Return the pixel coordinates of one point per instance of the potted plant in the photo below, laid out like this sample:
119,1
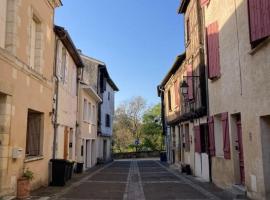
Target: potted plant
23,184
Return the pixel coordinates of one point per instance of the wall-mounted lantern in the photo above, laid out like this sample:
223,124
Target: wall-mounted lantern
184,88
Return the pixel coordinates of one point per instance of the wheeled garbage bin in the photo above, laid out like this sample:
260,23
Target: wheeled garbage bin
163,156
79,167
59,169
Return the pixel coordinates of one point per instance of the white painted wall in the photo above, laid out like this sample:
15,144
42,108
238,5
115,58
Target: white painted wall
107,107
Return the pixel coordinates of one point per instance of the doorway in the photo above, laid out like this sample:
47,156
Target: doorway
265,137
88,156
237,138
105,150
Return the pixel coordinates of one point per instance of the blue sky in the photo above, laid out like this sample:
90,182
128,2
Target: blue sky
137,39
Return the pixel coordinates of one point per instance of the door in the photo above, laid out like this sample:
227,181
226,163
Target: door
66,145
104,149
241,153
88,154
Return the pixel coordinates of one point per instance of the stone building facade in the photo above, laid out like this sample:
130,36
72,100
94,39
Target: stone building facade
68,65
26,90
89,100
232,39
106,89
237,34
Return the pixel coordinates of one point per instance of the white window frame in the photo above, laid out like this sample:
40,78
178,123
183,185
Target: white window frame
85,110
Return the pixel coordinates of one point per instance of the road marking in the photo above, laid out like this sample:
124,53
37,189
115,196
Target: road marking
192,184
134,188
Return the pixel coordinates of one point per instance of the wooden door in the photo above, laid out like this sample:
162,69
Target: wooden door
66,143
241,153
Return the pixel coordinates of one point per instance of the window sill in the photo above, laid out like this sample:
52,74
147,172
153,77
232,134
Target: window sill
259,46
32,159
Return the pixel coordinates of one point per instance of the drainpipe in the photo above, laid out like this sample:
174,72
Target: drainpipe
56,94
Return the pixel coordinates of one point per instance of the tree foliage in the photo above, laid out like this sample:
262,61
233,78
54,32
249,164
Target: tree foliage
133,122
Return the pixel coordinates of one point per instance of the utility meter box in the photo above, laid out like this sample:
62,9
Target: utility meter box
17,153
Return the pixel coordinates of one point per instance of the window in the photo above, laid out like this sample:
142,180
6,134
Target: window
188,30
64,64
169,100
212,33
34,133
218,136
109,96
85,110
93,114
259,21
176,91
186,138
108,120
3,9
35,44
89,112
190,82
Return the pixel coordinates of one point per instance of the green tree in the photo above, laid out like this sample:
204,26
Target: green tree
152,129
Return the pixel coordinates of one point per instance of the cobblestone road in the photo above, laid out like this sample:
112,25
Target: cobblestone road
137,180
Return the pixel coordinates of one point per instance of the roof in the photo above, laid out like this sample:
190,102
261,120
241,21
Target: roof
103,69
91,91
177,64
91,59
183,6
68,43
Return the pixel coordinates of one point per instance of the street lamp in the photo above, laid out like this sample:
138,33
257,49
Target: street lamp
184,88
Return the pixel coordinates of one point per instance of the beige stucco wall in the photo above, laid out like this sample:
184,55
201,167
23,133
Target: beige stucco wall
26,89
67,105
242,88
87,130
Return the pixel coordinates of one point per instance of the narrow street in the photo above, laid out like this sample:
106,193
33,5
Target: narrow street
138,180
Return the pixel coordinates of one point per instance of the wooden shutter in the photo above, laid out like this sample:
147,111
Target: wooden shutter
197,133
226,136
190,82
59,59
176,92
212,34
211,130
204,2
259,19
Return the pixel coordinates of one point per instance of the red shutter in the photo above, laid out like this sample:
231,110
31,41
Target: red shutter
213,50
226,136
212,149
197,133
259,19
190,82
204,2
176,91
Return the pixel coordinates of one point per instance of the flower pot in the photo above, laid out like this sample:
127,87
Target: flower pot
23,188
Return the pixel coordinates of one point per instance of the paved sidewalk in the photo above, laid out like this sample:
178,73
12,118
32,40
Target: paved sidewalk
133,180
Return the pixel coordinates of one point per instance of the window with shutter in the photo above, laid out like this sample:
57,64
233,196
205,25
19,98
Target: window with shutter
190,82
204,2
169,100
212,34
176,93
197,133
211,130
226,136
259,20
59,59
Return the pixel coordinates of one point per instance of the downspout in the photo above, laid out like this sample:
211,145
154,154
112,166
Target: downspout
203,38
55,99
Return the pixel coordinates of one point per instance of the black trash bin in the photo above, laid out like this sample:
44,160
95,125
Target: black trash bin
69,171
59,169
79,167
163,156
